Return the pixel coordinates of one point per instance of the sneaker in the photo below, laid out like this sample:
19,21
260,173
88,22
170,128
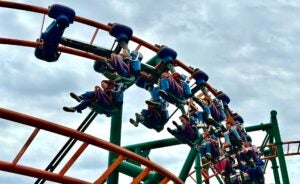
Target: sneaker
152,103
133,122
170,130
139,117
208,156
77,98
200,126
252,163
69,109
174,123
204,160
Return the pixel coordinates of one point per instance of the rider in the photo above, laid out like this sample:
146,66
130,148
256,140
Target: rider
104,95
156,116
185,130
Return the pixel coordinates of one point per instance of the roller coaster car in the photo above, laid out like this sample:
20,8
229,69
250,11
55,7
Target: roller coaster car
163,61
200,77
86,47
238,118
222,96
63,16
172,99
182,138
122,34
158,126
100,109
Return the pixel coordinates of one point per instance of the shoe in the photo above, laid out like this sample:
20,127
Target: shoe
133,122
77,98
174,123
208,156
69,109
139,117
200,126
204,160
170,130
252,163
152,103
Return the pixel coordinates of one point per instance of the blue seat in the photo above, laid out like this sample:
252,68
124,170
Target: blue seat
200,77
51,37
222,96
167,55
121,32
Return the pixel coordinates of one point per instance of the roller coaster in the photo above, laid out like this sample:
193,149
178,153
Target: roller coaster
123,67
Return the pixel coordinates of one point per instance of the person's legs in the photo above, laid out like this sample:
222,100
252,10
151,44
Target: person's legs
235,132
84,99
87,95
208,150
164,84
104,100
202,150
83,105
226,137
208,146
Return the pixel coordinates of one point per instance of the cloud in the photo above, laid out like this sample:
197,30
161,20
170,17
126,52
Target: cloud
250,50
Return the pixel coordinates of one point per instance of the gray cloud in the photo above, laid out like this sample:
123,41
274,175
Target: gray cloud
250,49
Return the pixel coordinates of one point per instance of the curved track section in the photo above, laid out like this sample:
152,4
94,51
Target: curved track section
88,22
291,148
123,154
86,139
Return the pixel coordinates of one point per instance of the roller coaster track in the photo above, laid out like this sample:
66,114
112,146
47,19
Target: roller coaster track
291,148
87,140
123,154
77,52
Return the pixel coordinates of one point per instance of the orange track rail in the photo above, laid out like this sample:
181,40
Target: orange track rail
65,131
88,22
21,118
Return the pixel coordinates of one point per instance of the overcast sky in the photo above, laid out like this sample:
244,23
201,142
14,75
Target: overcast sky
249,49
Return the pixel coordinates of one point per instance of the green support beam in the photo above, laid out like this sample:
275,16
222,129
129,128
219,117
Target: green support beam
274,163
262,127
115,138
154,144
188,164
198,168
278,143
155,178
133,170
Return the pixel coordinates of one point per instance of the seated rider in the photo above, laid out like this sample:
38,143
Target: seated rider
104,96
185,132
196,118
224,168
217,110
174,84
209,149
207,115
248,155
125,65
232,137
156,116
255,174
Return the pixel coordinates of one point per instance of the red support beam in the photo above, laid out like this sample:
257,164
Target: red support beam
37,173
141,176
25,146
